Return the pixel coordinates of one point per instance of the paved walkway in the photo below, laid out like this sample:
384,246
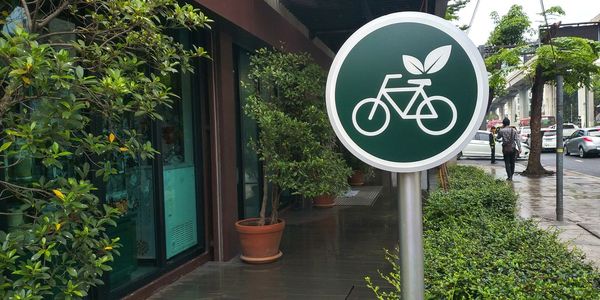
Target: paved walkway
537,200
327,253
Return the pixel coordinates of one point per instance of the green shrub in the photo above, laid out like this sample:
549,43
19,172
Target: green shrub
295,144
476,249
75,78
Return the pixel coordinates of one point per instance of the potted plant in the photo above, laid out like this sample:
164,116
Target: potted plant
294,142
329,174
360,170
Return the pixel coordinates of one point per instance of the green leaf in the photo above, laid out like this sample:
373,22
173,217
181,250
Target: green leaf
72,271
5,146
79,71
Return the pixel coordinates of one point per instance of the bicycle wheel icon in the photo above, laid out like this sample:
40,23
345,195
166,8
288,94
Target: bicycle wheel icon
430,103
372,106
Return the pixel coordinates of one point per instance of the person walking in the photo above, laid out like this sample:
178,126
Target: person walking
493,143
511,146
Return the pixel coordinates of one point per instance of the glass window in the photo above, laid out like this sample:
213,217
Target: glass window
132,191
248,163
594,132
482,136
179,174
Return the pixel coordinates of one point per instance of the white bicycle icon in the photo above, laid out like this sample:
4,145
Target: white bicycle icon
374,103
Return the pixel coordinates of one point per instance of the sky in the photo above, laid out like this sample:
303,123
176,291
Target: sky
575,11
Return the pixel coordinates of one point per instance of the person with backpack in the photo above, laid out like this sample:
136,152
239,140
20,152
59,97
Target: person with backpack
511,146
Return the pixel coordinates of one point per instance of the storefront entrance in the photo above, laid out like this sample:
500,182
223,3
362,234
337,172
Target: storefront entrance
163,201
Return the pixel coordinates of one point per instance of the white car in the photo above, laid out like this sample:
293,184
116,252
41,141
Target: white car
479,147
524,134
548,139
568,129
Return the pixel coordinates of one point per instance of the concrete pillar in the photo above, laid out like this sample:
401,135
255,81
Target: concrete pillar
585,103
513,111
524,102
590,108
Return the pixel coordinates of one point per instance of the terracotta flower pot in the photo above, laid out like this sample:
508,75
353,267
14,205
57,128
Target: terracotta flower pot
357,178
324,201
260,244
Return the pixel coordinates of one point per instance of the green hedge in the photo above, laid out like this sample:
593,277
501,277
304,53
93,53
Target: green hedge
475,248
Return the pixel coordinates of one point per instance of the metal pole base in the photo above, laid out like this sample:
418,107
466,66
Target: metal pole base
411,235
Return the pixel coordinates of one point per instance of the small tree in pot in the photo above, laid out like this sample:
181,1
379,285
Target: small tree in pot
295,141
360,170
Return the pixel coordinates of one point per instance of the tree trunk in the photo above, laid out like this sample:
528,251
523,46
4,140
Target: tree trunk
263,207
534,165
275,204
490,98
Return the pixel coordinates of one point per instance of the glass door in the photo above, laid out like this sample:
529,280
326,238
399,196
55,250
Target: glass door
179,164
132,191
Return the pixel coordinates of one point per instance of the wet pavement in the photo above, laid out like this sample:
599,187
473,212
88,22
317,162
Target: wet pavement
327,253
537,200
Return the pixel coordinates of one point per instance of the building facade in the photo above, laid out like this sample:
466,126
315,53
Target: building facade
180,208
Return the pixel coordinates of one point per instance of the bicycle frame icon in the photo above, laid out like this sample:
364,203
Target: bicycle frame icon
383,99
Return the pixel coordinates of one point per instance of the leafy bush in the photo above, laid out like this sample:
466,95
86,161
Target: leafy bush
296,143
476,249
65,96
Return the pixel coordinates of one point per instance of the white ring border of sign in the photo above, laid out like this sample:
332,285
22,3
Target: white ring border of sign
482,93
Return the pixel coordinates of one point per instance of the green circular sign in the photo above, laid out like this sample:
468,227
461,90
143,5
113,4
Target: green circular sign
407,92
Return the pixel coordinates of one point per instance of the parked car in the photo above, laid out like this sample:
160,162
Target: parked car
479,147
584,142
548,139
524,134
568,129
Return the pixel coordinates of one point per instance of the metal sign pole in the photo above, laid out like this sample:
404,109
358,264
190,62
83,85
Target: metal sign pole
411,235
559,148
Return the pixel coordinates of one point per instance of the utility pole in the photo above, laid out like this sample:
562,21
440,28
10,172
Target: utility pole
559,148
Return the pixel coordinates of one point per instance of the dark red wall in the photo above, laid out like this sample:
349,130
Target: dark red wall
249,23
261,20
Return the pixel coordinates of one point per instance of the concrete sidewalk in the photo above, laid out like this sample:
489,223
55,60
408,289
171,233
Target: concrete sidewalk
537,200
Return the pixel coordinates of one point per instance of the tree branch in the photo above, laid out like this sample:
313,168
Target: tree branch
38,4
53,15
47,35
27,14
19,187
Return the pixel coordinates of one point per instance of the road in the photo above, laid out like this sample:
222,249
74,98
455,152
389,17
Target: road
589,166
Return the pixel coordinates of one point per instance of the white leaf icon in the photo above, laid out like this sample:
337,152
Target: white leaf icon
413,65
437,59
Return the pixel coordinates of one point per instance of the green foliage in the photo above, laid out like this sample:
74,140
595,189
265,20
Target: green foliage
500,64
357,165
295,143
553,13
572,57
452,10
510,28
64,97
453,7
475,248
508,39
